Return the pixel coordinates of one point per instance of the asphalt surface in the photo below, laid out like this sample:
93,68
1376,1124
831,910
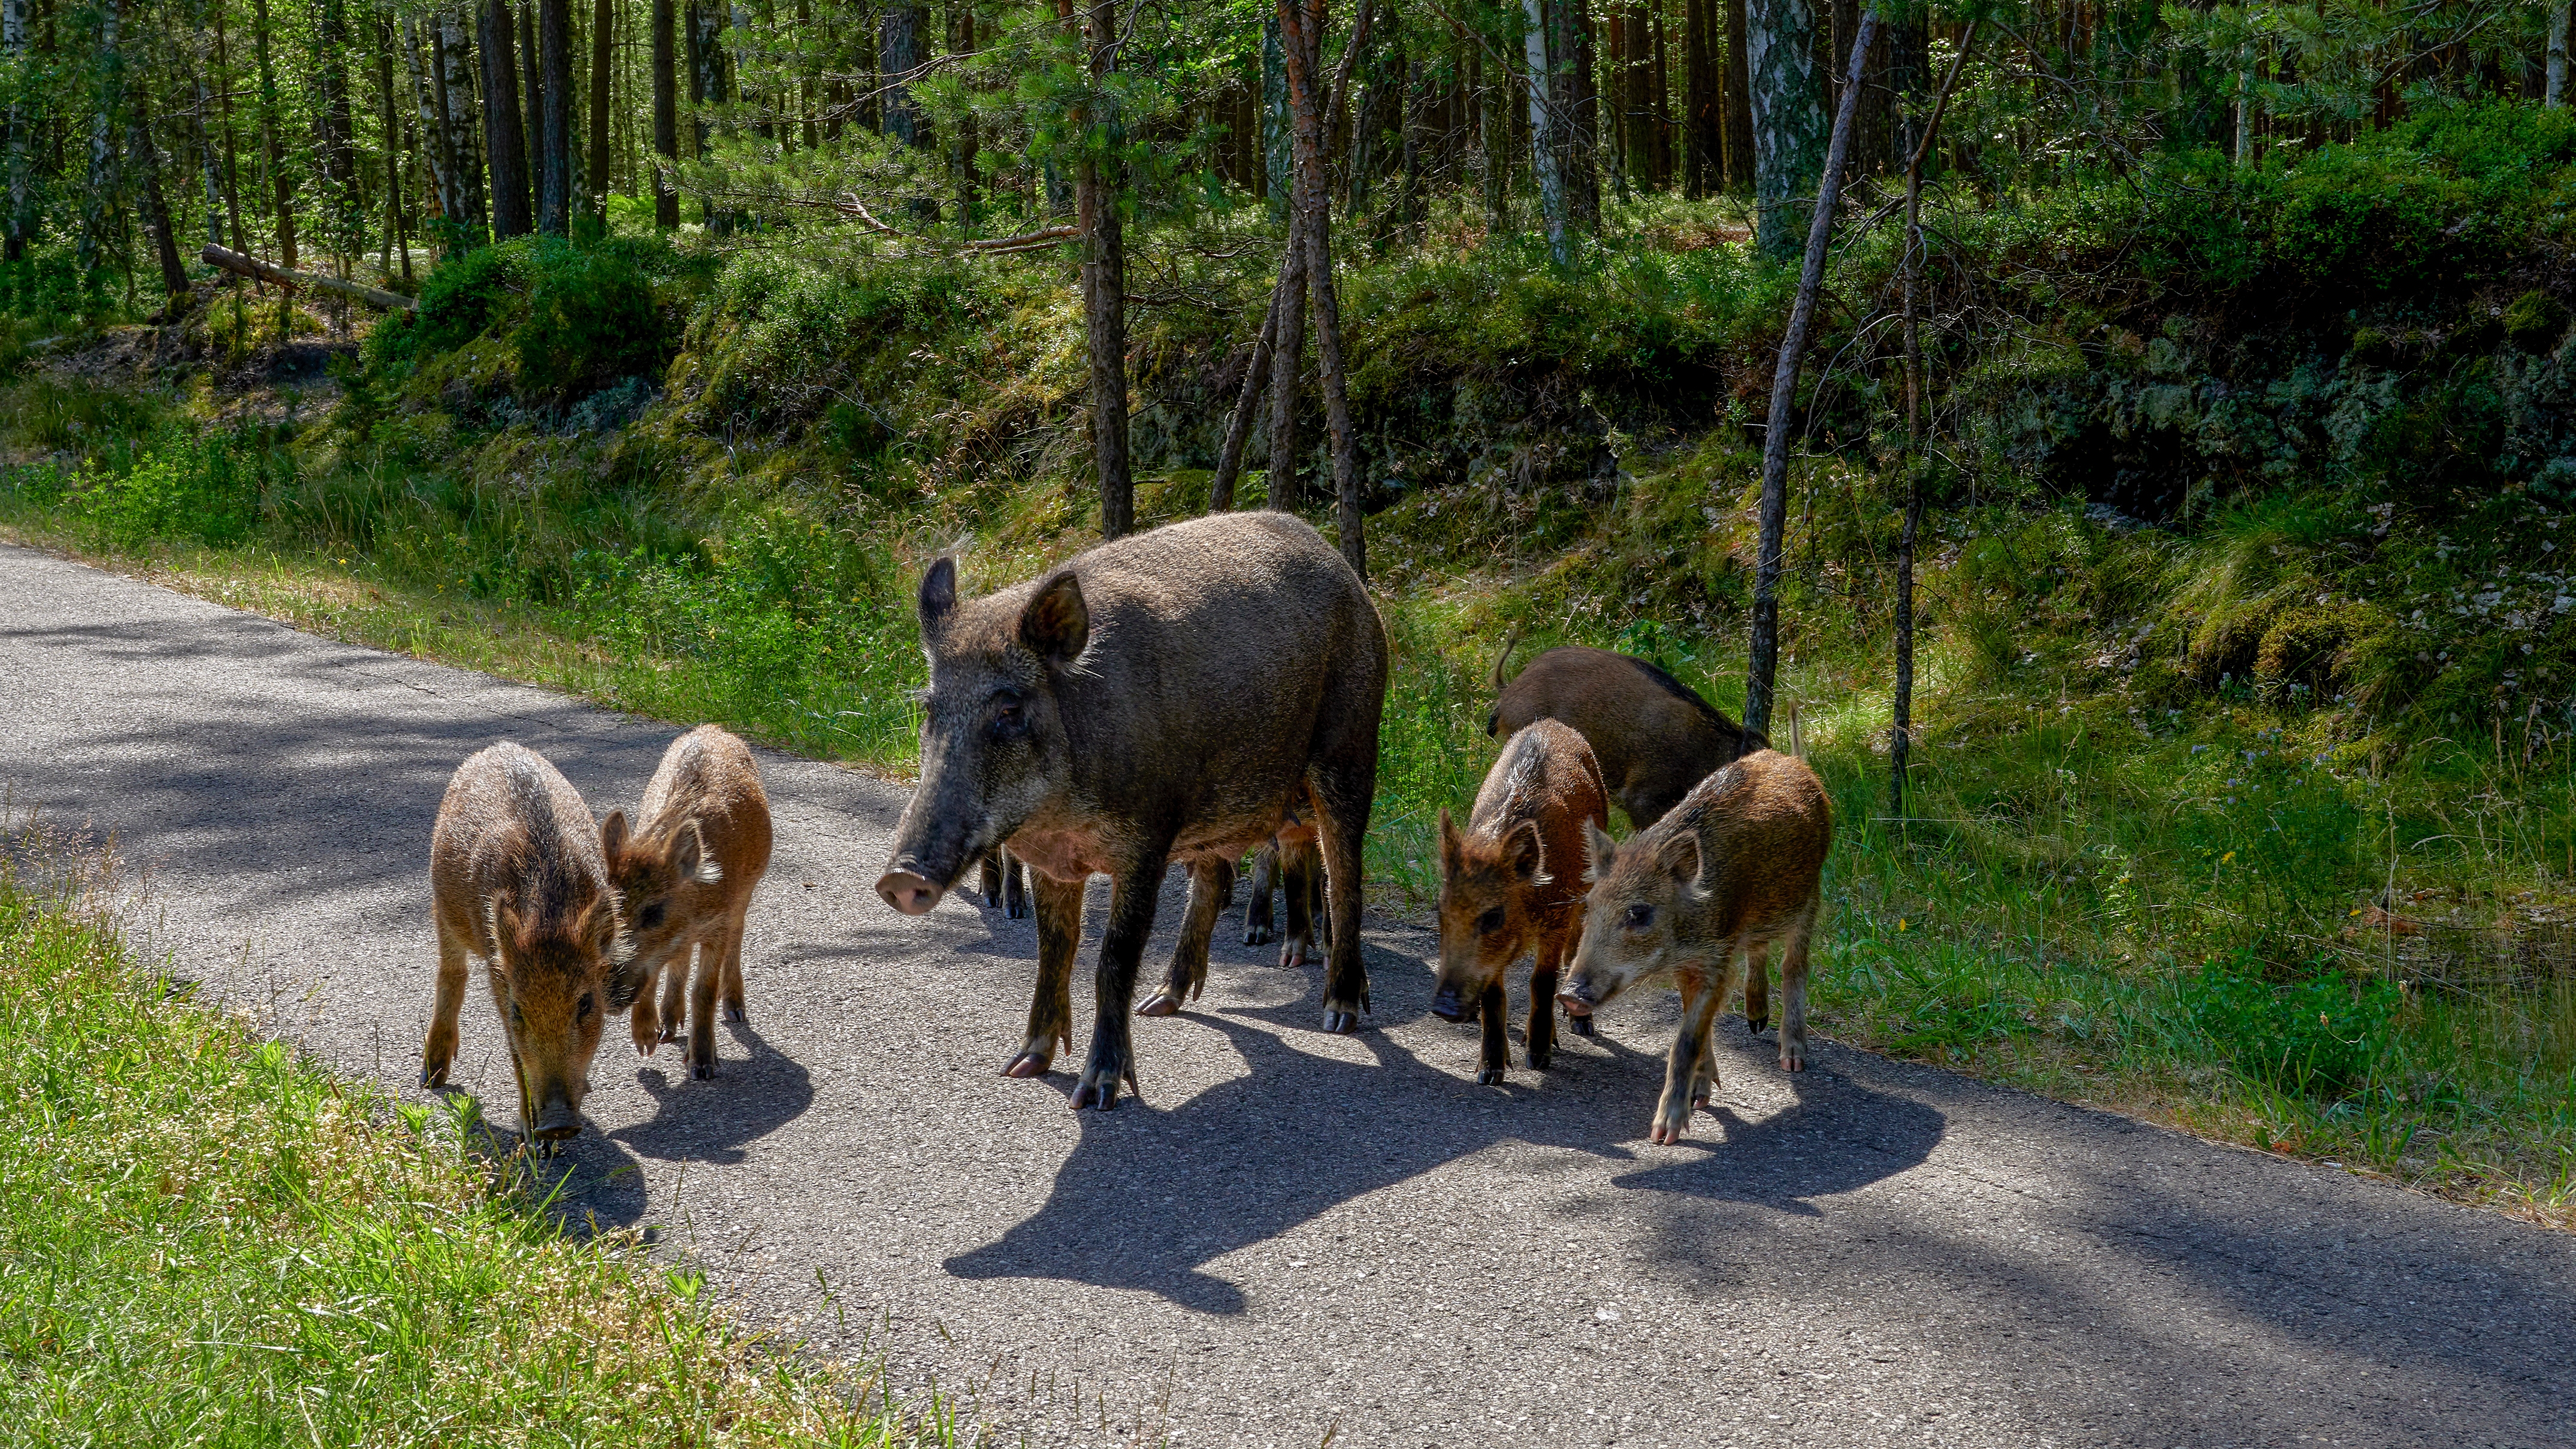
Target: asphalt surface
1292,1236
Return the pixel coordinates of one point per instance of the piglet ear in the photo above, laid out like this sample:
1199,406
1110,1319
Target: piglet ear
689,858
612,834
1679,856
938,593
1057,623
1452,853
1527,854
1604,851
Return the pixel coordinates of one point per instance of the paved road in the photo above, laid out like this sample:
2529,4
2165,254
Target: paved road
1296,1235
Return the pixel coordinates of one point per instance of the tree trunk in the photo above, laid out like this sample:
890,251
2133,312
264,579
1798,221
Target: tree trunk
456,94
1104,272
21,219
1736,107
1301,37
1571,84
603,25
1788,127
532,105
899,56
962,146
1900,745
339,127
156,211
503,140
2555,94
1277,149
1784,391
99,196
1247,401
433,131
666,118
554,67
1545,148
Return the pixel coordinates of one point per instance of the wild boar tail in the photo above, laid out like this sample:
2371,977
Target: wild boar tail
1502,659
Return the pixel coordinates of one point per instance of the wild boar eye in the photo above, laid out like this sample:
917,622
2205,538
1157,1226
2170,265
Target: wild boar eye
1640,916
517,1017
1490,922
588,1005
1010,722
651,916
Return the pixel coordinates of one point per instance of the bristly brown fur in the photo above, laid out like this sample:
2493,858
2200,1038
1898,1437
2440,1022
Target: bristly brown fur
688,873
1654,737
1732,875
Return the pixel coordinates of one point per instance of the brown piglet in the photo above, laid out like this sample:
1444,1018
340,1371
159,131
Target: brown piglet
1511,886
1652,734
1731,875
517,877
687,874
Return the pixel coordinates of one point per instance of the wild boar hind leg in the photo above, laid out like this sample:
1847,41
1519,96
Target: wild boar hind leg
1341,824
1211,888
1112,1059
1260,928
729,995
1757,988
1051,1008
1542,1005
1793,990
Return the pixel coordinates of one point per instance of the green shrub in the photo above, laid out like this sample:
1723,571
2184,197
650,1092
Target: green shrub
204,488
2314,644
2316,1038
591,320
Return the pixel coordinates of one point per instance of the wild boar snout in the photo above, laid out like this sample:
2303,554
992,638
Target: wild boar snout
1450,1004
909,891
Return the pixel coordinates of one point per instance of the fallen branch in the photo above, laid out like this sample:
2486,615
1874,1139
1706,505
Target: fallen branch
257,270
850,206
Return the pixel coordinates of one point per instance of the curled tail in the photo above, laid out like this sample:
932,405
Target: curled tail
1494,714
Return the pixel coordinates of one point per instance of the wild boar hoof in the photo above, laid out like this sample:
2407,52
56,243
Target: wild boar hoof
433,1076
1027,1064
1341,1022
1103,1095
1161,1003
1581,1026
1541,1058
703,1071
1258,936
645,1048
1490,1077
1017,910
1754,1025
1793,1058
734,1015
670,1033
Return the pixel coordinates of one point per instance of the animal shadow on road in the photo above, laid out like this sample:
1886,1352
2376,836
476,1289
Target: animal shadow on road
1148,1198
712,1122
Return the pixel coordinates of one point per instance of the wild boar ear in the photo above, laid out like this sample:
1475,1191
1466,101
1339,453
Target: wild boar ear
1451,852
689,858
1604,851
1526,853
1057,623
1679,856
938,593
612,835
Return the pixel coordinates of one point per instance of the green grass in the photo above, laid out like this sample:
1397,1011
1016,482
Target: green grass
206,1239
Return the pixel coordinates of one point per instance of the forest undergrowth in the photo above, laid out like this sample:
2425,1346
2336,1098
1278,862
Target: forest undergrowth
2244,795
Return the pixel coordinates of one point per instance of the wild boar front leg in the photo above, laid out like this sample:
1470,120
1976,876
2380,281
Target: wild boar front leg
1211,885
1542,1011
1051,1007
1793,989
645,1020
1342,792
1122,949
1301,868
1496,1056
712,951
675,988
439,1052
1689,1074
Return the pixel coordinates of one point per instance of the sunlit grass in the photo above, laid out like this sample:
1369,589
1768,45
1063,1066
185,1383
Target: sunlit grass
207,1239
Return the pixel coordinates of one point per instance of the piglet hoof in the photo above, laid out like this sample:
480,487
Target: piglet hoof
1755,1025
1258,936
1581,1026
703,1071
734,1015
1165,1002
669,1033
1490,1077
1793,1056
645,1048
1027,1064
1340,1022
1017,910
1541,1058
433,1077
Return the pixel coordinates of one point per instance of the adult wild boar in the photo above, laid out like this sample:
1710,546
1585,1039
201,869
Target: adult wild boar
685,878
1163,697
1733,872
517,877
1654,737
1511,885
